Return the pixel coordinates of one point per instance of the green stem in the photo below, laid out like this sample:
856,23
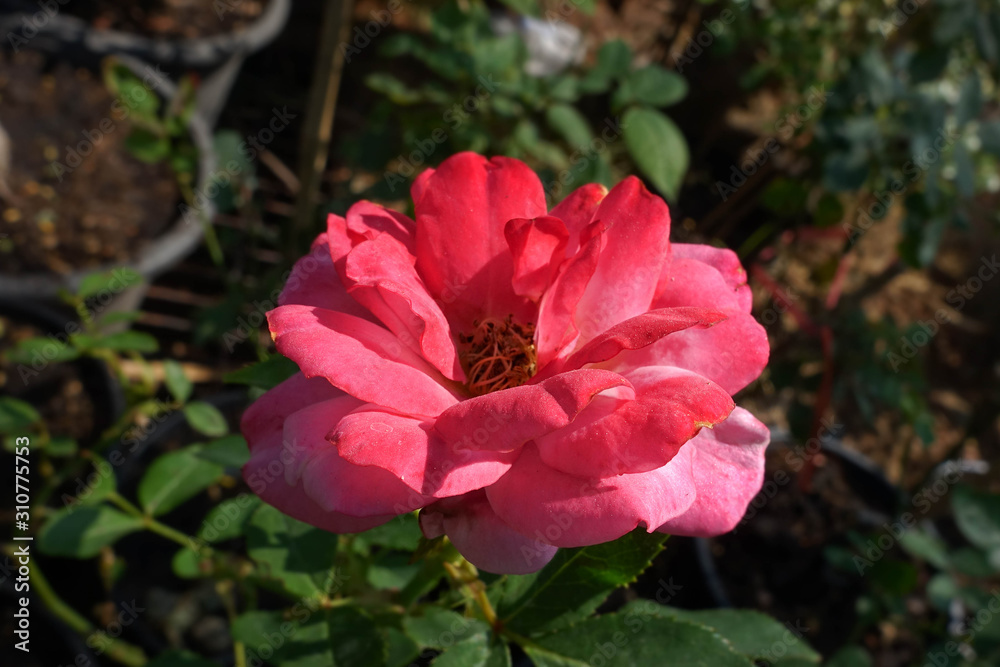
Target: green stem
155,526
116,649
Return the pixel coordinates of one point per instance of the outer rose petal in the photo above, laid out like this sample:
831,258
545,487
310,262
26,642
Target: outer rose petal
462,254
380,274
624,283
568,511
363,359
262,425
615,436
732,353
538,247
505,420
728,470
335,484
723,260
368,220
314,282
408,449
483,537
577,211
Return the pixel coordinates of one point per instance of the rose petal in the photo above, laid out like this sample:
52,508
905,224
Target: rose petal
363,359
379,274
462,254
538,247
726,262
483,537
613,435
315,282
505,420
369,220
577,211
568,511
728,471
624,283
420,459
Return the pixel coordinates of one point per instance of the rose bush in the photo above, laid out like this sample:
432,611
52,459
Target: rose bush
528,379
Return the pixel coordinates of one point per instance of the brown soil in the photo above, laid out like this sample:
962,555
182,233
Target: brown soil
185,19
75,198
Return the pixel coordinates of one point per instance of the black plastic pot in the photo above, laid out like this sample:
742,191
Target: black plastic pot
217,59
160,253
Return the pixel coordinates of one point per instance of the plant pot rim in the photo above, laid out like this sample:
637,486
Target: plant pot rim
160,252
198,52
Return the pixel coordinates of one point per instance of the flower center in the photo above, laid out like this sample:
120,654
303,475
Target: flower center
499,354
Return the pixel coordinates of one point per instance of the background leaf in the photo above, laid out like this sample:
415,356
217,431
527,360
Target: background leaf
174,478
82,532
658,148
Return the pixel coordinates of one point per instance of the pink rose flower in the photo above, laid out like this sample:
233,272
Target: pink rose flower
528,379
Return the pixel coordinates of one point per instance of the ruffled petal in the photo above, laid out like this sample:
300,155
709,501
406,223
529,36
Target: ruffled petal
732,353
624,283
726,262
262,425
365,360
538,247
379,274
462,255
408,449
638,332
577,211
568,511
555,330
334,483
728,470
505,420
368,220
483,537
616,434
314,281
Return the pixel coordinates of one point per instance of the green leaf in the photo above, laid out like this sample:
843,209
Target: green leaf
174,478
230,451
186,564
16,415
850,656
613,61
62,446
180,659
751,633
293,553
123,341
924,546
177,382
478,651
401,533
266,374
631,638
39,351
439,628
206,418
98,484
651,85
657,147
401,651
304,637
978,516
147,146
575,582
112,282
394,89
570,124
82,532
229,519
